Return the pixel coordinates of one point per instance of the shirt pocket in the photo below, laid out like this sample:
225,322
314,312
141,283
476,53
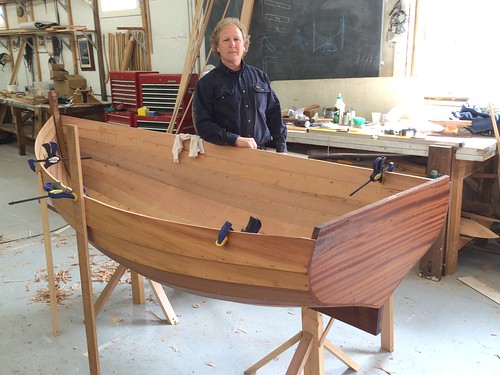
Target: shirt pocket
262,88
221,93
260,94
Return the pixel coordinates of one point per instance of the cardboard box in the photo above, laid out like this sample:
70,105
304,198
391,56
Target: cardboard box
58,75
56,67
57,72
70,84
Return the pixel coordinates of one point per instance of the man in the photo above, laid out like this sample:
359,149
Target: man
234,103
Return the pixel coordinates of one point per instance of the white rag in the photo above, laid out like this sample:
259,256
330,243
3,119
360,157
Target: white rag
195,145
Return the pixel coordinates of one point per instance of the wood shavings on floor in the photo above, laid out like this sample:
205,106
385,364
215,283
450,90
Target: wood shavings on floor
102,270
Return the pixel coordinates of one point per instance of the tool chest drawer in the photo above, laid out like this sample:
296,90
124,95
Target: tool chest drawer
161,123
159,92
119,117
125,88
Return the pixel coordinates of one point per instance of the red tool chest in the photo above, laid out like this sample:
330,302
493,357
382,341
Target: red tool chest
159,92
125,88
161,123
120,117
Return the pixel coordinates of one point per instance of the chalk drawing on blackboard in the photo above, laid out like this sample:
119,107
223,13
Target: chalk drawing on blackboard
266,52
276,16
300,39
332,44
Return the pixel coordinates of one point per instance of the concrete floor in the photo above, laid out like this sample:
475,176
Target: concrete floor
440,327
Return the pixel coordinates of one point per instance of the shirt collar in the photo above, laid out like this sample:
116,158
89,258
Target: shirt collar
231,71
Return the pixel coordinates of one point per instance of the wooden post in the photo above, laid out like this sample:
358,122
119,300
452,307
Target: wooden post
137,281
312,322
387,334
48,257
440,159
75,169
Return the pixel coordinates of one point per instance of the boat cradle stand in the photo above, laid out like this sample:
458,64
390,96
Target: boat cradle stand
309,355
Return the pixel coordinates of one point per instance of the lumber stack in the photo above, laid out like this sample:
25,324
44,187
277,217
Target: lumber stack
125,51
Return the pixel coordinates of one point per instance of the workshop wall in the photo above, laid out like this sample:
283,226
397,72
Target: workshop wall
170,28
364,95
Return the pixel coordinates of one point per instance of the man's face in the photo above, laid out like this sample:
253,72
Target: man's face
231,46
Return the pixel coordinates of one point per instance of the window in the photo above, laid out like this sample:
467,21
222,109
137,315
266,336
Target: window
2,19
117,8
456,42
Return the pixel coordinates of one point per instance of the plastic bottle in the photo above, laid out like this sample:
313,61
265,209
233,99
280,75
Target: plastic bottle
340,105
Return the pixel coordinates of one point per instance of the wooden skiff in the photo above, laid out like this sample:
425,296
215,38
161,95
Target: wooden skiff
318,247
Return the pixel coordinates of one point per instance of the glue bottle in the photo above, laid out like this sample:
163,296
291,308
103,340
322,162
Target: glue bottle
340,107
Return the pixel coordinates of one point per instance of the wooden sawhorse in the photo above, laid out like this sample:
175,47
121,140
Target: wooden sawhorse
309,355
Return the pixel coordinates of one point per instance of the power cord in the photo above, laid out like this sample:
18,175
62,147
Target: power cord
31,236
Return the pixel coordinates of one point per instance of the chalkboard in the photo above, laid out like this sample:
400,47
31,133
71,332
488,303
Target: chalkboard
296,39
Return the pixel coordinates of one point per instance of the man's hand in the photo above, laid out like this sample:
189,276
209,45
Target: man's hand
246,142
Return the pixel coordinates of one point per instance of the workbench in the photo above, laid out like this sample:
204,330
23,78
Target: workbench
454,156
27,119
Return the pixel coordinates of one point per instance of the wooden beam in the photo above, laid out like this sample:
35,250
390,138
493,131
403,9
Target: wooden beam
19,59
127,56
100,50
196,37
146,24
482,288
164,302
301,356
108,289
246,13
275,353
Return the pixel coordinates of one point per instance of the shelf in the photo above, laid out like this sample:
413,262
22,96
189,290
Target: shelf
69,30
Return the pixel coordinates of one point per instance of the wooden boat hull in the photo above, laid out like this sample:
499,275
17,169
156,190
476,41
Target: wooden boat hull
318,247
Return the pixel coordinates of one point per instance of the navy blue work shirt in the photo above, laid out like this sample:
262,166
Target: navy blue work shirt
228,104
